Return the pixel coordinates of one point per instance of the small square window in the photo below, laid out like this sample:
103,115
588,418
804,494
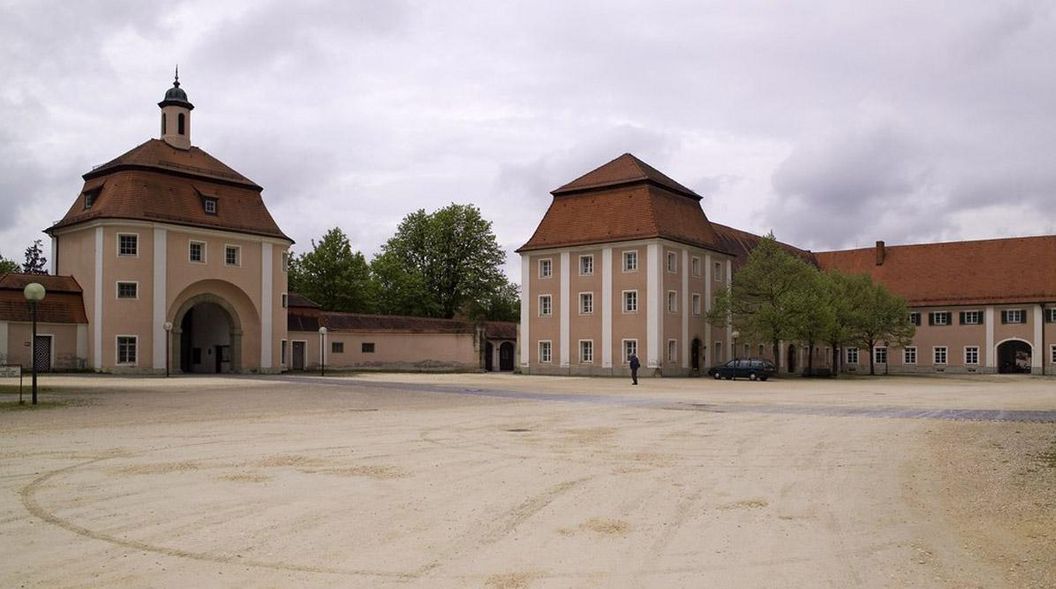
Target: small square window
367,348
210,205
337,347
852,355
939,354
127,290
546,268
127,245
197,251
971,355
909,355
586,265
232,255
630,261
126,350
90,197
880,355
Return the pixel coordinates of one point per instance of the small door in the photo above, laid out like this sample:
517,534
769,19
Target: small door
42,356
489,362
694,355
298,355
506,356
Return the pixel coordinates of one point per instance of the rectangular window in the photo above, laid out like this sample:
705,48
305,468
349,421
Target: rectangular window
546,351
852,355
694,264
210,205
337,347
1050,315
586,265
971,355
630,301
285,300
718,272
1052,353
938,354
128,290
909,355
90,197
672,301
126,350
546,305
971,317
672,262
282,352
914,318
197,251
586,303
630,261
696,304
127,244
880,355
586,351
232,255
939,318
285,261
367,348
672,350
546,268
1013,316
630,348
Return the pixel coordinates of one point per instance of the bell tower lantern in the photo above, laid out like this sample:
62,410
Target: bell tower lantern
176,116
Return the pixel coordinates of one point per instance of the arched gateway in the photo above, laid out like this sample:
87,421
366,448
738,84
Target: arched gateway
207,336
1014,357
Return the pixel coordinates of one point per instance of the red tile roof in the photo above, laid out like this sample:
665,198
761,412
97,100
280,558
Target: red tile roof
622,212
992,271
741,243
158,182
626,169
62,303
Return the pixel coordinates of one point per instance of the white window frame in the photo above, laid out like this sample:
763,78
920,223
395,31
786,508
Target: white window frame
206,201
583,298
285,298
586,345
717,273
848,352
672,301
946,316
628,255
117,292
945,355
976,315
586,260
546,310
1050,315
548,345
548,264
117,350
623,303
1021,315
696,303
912,315
906,352
672,262
286,261
624,350
127,234
968,349
205,251
672,350
877,352
695,265
238,255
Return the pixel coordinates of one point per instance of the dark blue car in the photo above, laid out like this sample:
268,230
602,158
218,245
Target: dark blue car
752,369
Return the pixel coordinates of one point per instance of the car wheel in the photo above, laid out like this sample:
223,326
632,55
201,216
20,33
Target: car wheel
762,378
752,376
717,376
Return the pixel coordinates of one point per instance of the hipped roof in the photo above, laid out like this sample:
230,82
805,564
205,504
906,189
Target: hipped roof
62,303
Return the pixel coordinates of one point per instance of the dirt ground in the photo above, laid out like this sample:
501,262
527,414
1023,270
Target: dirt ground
506,481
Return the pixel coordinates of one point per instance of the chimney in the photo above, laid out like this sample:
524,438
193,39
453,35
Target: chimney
880,253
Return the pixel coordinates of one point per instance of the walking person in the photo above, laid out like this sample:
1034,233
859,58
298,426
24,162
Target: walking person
635,364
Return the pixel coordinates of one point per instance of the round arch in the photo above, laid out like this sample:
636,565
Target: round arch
1014,356
232,302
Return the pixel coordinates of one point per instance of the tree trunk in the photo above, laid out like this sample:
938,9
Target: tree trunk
872,357
835,359
777,355
810,358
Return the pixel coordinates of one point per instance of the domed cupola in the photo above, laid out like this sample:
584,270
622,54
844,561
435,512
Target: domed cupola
176,116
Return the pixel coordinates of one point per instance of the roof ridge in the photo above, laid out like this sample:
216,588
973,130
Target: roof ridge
935,243
625,169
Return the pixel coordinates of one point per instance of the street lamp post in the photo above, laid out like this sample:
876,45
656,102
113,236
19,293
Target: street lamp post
168,340
34,293
322,351
733,344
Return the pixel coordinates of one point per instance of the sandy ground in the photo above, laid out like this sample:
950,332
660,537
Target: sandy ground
506,481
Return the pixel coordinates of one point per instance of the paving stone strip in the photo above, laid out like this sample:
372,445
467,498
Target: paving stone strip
1033,416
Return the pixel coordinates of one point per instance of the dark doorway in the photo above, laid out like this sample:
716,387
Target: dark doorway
42,357
1014,357
489,351
298,355
506,356
694,356
205,336
186,328
791,359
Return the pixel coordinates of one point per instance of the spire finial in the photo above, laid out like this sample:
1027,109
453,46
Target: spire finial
177,82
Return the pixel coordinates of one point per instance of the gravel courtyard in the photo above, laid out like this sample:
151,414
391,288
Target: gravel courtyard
510,481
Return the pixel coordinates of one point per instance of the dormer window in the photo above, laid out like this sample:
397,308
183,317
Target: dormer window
210,205
181,125
90,197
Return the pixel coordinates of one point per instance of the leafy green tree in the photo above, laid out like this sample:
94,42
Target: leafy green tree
812,312
765,296
440,264
35,262
7,266
333,275
839,329
879,316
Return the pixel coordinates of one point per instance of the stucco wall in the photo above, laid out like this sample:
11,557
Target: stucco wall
393,351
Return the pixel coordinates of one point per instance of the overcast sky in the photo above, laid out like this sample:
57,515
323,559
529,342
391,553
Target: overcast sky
833,123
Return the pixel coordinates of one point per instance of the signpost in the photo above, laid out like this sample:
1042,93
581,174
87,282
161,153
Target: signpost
12,371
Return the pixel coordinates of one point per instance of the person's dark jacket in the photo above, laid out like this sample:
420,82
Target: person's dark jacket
635,364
